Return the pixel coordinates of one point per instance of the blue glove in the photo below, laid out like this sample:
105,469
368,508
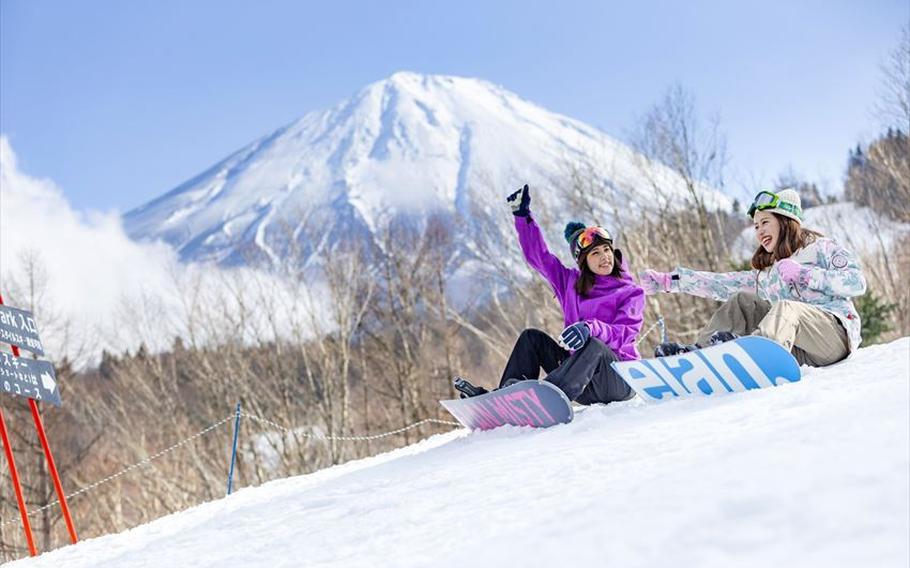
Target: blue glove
575,336
520,202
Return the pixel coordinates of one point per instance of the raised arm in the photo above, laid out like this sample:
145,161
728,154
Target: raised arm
535,251
532,243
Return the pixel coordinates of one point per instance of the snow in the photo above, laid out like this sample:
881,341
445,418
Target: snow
815,473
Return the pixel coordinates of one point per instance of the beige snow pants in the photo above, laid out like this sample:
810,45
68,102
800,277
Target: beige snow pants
814,337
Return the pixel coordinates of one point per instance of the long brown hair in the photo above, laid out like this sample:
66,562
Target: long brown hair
791,238
586,280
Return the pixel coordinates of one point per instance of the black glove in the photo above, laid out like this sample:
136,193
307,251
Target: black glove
575,336
520,202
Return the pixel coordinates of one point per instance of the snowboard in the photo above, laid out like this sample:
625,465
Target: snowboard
527,403
745,363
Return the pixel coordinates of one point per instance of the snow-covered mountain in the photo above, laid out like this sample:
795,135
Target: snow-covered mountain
815,473
410,144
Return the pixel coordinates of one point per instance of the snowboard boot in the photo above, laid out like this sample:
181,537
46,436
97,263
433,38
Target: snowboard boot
466,389
510,382
672,348
719,337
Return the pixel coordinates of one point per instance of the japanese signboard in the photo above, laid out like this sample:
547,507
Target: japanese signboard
17,327
29,378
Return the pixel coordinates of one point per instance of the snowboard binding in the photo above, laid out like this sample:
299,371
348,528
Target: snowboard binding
670,348
466,389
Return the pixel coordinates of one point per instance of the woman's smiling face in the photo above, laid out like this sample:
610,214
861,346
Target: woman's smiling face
600,260
767,229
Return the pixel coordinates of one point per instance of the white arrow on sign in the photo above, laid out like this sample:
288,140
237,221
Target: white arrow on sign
48,382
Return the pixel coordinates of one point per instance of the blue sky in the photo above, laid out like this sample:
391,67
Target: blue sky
119,102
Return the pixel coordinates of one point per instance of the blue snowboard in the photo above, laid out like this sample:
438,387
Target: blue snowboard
527,403
743,364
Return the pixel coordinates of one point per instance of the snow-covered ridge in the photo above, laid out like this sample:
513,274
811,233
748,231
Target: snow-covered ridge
815,473
410,143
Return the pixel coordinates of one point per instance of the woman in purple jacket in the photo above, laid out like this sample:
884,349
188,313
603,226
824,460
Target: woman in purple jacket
602,307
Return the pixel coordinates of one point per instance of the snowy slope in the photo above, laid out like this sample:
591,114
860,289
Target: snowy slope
815,473
408,144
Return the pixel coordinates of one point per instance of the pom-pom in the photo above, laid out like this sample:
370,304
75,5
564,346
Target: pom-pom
571,228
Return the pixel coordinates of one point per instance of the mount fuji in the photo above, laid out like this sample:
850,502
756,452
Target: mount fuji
407,145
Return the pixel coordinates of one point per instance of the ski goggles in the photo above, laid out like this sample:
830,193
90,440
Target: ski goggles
767,200
590,234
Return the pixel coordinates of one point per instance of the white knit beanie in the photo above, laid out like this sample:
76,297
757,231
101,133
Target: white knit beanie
790,197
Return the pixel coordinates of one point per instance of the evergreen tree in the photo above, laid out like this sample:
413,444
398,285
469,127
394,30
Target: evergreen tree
875,314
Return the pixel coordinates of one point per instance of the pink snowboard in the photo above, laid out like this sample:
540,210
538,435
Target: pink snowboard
528,403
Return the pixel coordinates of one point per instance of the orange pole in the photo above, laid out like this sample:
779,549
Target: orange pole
26,526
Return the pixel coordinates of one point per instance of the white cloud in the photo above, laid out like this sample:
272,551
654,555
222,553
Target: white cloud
91,264
113,291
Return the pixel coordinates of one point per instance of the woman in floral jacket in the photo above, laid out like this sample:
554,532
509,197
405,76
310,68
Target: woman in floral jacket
799,292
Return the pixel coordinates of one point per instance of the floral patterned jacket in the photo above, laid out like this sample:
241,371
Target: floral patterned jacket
834,278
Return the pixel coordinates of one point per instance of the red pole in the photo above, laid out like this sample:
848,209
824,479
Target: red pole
15,475
58,486
51,466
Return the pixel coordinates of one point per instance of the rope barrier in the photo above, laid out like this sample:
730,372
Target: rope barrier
130,468
641,337
150,459
348,438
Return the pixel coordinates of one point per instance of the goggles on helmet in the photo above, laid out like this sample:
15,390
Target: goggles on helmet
767,200
586,237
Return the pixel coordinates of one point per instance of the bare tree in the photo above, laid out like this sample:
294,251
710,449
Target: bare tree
893,106
879,177
671,134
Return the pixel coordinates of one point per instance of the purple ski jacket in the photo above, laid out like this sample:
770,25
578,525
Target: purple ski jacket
614,307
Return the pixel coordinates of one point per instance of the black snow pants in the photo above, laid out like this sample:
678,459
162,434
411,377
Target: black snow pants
585,376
